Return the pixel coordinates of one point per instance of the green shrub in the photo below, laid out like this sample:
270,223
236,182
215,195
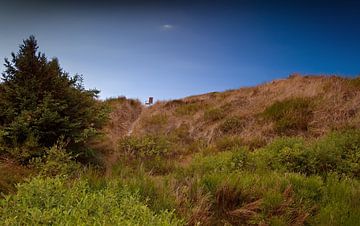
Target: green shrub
286,154
55,202
40,103
152,151
56,161
214,114
242,159
226,161
290,115
232,125
148,146
337,152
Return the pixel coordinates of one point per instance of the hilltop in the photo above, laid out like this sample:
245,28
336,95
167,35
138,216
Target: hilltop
314,104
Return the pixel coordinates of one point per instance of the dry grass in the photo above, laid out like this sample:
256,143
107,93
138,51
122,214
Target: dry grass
123,113
11,173
336,101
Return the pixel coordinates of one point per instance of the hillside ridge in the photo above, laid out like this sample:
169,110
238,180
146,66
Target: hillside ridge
335,104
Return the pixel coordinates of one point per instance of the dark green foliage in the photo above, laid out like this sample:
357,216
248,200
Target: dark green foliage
39,103
290,116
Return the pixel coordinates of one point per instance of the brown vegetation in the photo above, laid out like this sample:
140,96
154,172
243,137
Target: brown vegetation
327,102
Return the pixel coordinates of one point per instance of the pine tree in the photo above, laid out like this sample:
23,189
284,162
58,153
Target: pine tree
40,103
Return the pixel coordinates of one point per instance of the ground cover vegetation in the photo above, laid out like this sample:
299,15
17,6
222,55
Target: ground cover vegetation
51,134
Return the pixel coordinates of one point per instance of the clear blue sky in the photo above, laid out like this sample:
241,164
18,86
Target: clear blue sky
170,50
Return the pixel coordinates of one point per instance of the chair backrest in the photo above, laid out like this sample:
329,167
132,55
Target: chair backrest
150,101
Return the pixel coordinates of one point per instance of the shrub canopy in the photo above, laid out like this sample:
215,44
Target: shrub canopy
39,102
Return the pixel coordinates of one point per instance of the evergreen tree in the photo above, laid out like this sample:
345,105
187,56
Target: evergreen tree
40,103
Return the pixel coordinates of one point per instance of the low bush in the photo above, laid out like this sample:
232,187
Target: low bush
290,116
148,146
338,152
152,151
227,161
55,202
56,161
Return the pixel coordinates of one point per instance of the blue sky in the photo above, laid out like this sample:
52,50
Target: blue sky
171,50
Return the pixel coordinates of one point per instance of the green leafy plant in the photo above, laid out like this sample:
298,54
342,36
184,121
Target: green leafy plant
56,162
338,152
55,202
151,150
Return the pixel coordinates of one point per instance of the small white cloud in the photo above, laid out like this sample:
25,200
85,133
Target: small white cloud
167,27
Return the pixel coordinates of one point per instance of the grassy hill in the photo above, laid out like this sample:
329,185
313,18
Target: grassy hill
307,106
330,102
282,153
